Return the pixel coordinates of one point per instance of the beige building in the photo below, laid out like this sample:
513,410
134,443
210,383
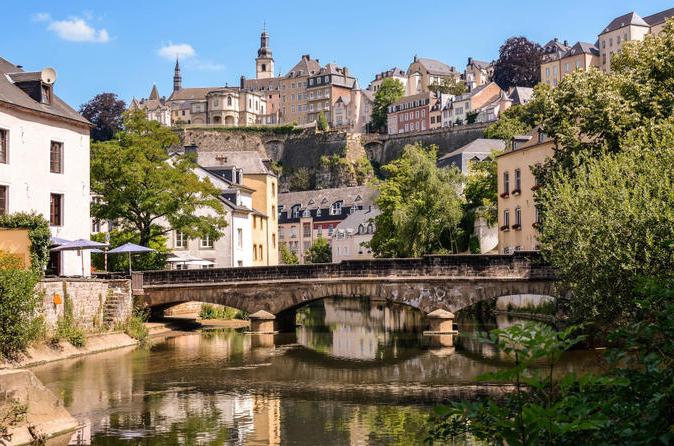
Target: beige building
250,170
352,111
553,51
478,73
423,72
518,216
462,107
351,236
626,28
155,107
306,216
294,104
394,73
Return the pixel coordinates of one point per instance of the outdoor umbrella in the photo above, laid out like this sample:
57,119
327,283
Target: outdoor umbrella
130,248
56,241
187,258
79,246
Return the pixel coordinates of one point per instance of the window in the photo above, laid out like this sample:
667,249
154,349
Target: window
336,208
518,179
239,238
4,146
229,100
56,157
46,94
518,217
181,240
331,228
254,252
273,240
261,253
206,242
506,183
306,230
539,216
506,217
56,210
3,200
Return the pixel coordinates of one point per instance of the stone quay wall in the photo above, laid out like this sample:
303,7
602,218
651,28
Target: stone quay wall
96,304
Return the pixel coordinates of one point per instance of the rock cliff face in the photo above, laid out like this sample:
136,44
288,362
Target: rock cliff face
313,159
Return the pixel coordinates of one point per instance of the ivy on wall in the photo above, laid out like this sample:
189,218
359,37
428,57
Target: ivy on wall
38,234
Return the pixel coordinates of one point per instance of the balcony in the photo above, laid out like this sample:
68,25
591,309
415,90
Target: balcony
505,228
517,227
504,195
517,192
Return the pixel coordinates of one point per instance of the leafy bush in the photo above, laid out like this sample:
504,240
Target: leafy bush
38,233
135,325
66,326
140,262
288,257
18,303
11,415
319,252
209,311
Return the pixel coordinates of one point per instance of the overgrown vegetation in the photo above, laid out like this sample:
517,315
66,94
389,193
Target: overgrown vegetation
268,129
38,234
209,311
67,328
18,304
631,403
135,325
11,414
389,91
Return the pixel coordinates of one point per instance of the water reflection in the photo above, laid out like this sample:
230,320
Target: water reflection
355,372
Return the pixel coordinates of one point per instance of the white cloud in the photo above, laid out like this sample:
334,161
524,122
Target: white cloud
75,29
41,17
171,51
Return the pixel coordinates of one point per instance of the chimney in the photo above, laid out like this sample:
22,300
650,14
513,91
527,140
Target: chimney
243,82
566,43
556,39
470,60
346,74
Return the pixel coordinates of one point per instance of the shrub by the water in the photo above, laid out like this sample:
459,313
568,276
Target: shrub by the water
209,311
135,326
18,303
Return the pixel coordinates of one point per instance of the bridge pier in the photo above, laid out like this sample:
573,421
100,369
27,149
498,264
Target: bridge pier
261,322
441,322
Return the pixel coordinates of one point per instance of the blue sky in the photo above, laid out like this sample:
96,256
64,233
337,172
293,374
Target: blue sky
125,47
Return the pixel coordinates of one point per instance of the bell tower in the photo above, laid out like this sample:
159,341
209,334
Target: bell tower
177,78
264,62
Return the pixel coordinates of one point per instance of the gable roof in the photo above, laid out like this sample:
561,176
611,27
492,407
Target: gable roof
433,66
631,18
582,48
13,95
250,161
357,218
306,65
323,198
520,95
659,17
480,145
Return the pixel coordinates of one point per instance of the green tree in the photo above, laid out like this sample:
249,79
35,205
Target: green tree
300,179
420,206
389,91
105,112
610,222
454,87
322,122
319,252
139,183
518,64
19,302
288,257
140,262
480,188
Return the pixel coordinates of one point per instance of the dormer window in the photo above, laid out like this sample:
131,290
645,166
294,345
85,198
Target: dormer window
46,94
296,211
336,208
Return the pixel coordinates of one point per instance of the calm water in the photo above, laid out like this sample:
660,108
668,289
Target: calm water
354,373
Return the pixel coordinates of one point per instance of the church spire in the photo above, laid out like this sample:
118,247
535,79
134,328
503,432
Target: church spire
264,62
177,78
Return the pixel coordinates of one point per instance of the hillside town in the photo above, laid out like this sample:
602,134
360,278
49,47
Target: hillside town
172,204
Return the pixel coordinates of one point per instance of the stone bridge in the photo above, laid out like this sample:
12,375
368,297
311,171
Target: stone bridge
428,283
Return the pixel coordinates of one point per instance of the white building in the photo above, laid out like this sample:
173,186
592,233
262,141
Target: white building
352,233
44,159
234,247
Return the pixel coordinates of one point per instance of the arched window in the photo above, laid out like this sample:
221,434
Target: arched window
336,208
361,229
370,228
229,100
264,67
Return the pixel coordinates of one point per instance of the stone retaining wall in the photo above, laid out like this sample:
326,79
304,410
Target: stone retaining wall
96,303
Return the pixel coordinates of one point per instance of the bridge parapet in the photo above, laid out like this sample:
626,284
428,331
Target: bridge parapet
519,265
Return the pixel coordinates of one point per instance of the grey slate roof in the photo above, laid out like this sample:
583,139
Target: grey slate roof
250,161
360,195
659,17
582,48
192,94
11,94
357,218
480,145
520,95
307,65
631,18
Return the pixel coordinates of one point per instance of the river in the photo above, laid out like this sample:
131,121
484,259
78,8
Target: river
354,373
